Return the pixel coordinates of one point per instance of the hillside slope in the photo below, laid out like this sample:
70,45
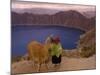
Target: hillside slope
87,43
69,18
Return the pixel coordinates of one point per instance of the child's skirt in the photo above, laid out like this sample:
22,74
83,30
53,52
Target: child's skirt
56,60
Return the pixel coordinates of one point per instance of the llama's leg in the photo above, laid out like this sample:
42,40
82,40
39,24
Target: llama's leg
34,65
46,65
39,67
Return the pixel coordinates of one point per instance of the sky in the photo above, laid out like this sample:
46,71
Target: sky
28,5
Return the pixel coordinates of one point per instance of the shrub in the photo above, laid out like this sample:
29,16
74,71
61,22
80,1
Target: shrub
87,51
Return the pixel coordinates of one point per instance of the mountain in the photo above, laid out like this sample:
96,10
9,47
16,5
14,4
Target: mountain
74,19
69,18
89,14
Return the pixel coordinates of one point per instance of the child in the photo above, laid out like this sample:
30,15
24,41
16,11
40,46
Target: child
56,51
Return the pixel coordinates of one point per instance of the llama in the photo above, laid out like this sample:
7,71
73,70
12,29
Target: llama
38,53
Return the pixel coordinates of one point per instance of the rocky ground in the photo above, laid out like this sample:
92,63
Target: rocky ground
67,64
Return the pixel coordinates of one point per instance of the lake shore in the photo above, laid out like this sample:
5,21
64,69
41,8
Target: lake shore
52,25
68,64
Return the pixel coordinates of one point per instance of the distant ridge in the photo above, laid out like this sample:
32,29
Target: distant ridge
69,18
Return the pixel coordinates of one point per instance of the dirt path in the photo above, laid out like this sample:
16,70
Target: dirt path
67,64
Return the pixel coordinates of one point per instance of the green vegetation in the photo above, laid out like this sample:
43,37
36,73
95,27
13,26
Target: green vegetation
87,51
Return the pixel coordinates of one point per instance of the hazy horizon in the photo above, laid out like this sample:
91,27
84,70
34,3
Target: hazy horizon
30,5
50,8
